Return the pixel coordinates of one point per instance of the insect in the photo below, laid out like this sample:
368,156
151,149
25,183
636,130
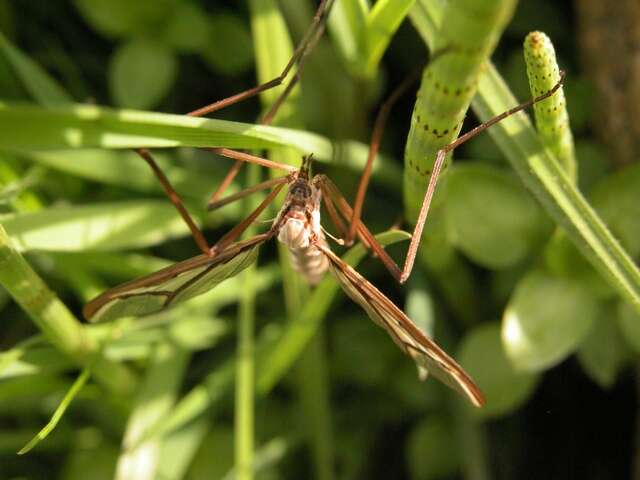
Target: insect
298,226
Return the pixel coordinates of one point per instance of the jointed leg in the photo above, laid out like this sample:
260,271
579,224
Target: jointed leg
248,191
376,137
198,236
247,157
306,44
437,166
331,193
236,231
231,174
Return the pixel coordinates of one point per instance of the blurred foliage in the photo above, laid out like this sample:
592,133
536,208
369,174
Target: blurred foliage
87,219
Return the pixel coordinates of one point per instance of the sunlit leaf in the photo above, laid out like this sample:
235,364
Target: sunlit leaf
106,226
490,217
483,355
616,198
546,319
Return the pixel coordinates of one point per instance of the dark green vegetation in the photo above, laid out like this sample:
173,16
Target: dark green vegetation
517,277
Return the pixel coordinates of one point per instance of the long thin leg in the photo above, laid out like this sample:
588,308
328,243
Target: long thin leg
437,167
198,236
247,157
331,191
231,174
335,218
376,137
236,231
305,45
248,191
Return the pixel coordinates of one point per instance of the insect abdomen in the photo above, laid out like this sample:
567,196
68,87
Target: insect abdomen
310,262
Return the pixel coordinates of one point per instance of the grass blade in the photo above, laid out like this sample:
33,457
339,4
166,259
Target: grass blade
43,88
57,415
154,401
53,318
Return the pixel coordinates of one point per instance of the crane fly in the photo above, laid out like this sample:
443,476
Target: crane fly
298,226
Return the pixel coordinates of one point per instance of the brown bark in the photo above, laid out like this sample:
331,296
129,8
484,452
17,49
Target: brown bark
609,42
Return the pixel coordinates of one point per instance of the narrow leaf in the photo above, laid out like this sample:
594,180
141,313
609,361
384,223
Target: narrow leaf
57,415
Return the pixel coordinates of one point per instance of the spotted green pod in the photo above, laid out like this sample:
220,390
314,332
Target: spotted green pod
468,34
552,119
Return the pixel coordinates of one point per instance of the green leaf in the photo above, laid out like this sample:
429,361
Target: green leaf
106,226
629,322
141,73
57,415
491,218
179,448
381,23
603,353
35,79
483,356
230,49
546,319
616,199
119,18
347,25
32,360
419,305
430,451
85,126
154,400
189,28
361,354
126,169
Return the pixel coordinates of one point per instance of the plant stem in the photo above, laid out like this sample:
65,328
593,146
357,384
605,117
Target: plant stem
245,369
54,319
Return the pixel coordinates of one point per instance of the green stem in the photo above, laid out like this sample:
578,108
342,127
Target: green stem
469,32
270,33
544,177
245,374
54,319
473,443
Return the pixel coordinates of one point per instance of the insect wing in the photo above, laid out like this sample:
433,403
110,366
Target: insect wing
173,284
428,356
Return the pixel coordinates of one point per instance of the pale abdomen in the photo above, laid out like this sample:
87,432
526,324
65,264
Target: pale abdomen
310,261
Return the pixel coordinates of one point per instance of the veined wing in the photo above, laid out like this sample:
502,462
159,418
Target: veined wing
428,356
173,284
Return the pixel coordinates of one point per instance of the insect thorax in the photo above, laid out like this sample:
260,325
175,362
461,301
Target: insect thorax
300,230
